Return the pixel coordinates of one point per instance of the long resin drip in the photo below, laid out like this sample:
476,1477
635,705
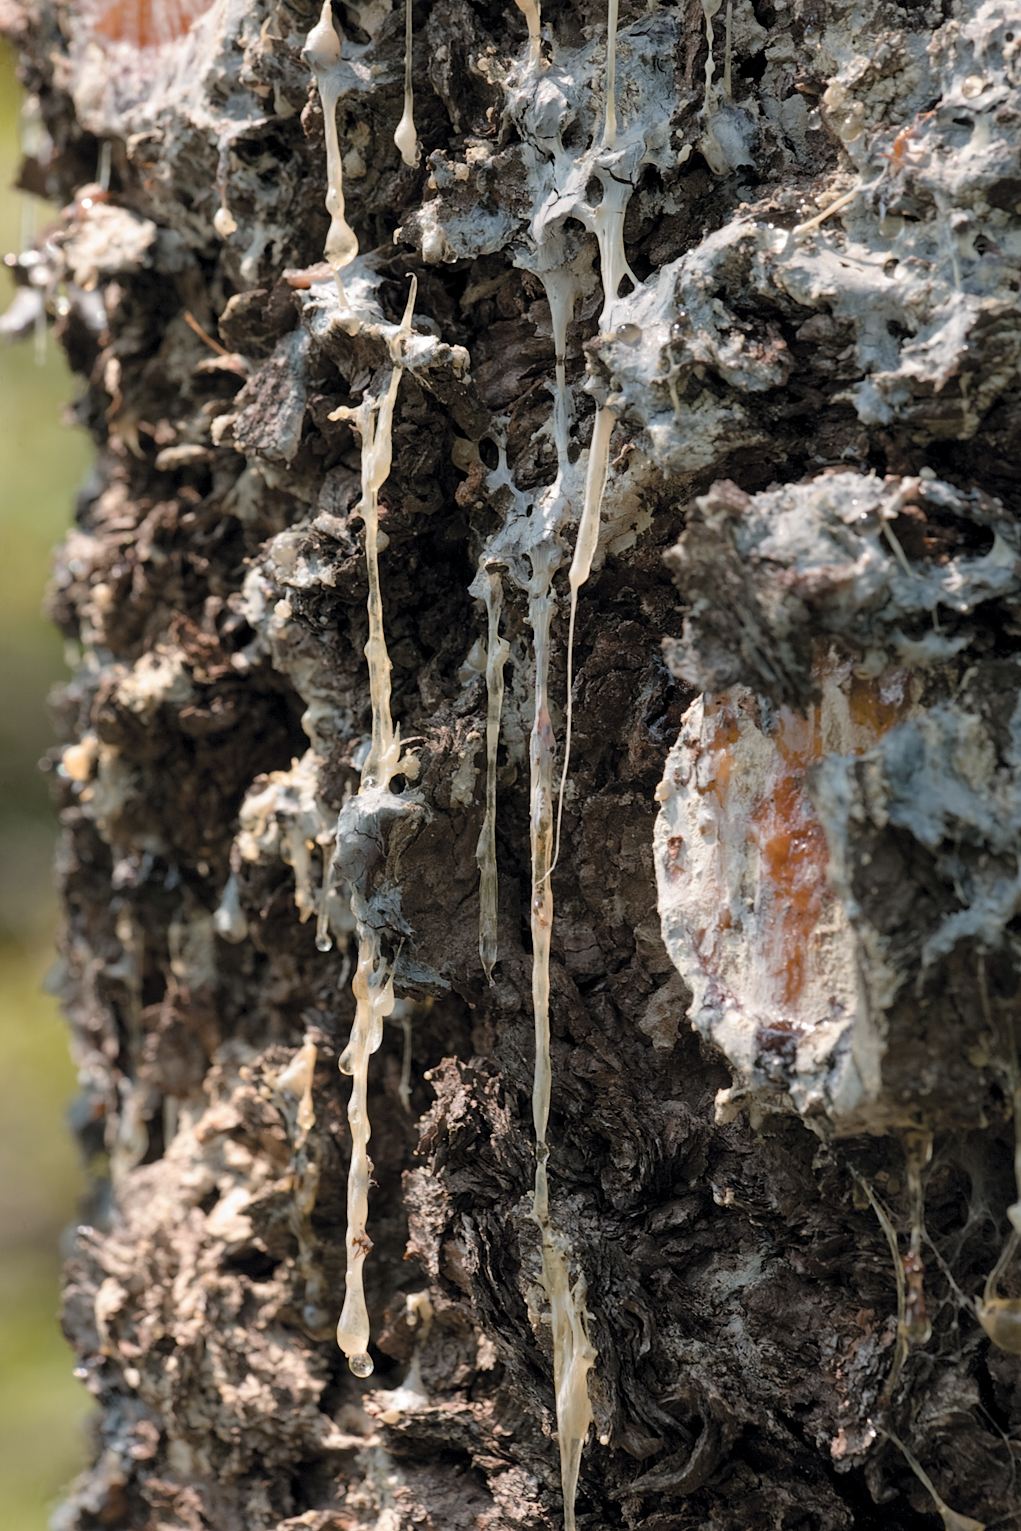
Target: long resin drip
530,11
607,220
581,567
322,49
573,1354
610,124
561,286
373,980
541,748
709,10
373,420
485,852
729,56
405,137
374,1001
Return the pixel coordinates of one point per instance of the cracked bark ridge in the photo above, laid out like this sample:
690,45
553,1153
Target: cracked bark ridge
812,365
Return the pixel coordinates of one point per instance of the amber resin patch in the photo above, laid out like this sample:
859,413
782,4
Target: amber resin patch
143,23
748,913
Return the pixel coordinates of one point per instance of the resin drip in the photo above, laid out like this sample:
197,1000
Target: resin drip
573,1353
952,1519
561,287
900,1349
490,586
373,420
610,122
607,220
405,137
374,999
917,1153
224,221
581,567
322,49
709,10
607,224
530,10
728,61
373,980
295,1083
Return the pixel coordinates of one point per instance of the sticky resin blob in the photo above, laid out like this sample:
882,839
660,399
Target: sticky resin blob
748,914
143,23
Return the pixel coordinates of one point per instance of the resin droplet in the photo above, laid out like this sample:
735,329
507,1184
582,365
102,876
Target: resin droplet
229,921
405,137
1000,1317
224,222
1001,1320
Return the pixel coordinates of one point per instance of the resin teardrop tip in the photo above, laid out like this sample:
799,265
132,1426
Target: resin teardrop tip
1001,1320
322,46
954,1522
324,943
361,1365
224,222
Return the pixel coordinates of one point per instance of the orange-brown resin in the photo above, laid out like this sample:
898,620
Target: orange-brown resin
781,821
144,23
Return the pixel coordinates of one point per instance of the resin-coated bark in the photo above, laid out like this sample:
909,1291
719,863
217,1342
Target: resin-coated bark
713,329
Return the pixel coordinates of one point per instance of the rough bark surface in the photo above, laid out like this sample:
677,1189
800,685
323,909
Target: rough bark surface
821,418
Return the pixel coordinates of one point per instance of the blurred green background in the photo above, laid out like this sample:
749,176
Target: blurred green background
42,1408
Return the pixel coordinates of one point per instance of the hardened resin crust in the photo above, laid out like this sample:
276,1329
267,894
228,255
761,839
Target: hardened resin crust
541,782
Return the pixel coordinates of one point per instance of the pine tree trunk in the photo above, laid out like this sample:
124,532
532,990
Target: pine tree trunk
777,253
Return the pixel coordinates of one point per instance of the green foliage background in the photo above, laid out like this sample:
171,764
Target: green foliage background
42,1408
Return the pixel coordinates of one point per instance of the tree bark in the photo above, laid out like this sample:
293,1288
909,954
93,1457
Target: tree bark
776,257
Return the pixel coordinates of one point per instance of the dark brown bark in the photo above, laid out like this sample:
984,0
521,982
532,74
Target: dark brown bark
741,1289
